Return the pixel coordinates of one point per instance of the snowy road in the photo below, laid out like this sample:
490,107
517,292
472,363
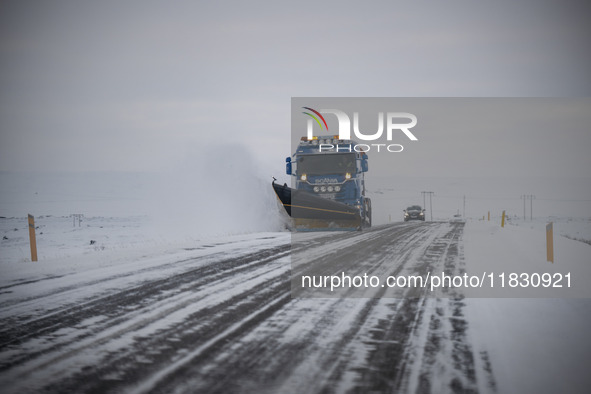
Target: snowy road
221,318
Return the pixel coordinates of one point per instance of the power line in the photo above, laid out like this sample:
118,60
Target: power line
480,198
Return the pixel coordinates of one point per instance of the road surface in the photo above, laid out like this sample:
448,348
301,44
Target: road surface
225,322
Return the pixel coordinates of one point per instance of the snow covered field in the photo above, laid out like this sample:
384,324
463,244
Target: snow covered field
121,246
536,345
58,236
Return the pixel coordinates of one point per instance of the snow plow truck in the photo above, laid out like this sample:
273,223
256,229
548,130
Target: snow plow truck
329,185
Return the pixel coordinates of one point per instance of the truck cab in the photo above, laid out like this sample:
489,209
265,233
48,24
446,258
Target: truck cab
333,169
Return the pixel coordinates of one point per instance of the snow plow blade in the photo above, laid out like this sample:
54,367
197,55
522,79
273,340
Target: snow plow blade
313,213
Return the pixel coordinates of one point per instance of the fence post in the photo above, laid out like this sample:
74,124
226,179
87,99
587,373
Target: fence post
32,239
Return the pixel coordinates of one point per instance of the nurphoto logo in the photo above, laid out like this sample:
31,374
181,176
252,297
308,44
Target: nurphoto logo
392,120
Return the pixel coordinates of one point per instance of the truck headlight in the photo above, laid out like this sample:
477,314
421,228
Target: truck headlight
337,188
348,175
316,189
323,188
303,177
330,189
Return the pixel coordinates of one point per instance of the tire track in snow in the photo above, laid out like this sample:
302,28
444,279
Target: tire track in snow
118,308
438,356
306,345
232,326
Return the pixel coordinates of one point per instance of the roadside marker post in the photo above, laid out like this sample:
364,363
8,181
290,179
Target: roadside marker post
550,243
489,216
503,220
32,239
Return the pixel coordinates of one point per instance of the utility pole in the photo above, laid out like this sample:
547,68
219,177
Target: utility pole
430,202
464,211
78,217
531,198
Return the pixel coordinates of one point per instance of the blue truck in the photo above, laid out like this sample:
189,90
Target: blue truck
329,192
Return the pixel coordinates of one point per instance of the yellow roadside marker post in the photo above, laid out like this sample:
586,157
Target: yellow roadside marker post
32,238
503,220
549,243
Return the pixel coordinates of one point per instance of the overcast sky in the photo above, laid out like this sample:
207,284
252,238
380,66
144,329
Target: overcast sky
130,85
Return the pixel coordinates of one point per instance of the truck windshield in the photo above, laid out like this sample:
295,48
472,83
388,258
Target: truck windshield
338,163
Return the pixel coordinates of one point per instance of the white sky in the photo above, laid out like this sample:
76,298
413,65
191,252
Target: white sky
128,86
